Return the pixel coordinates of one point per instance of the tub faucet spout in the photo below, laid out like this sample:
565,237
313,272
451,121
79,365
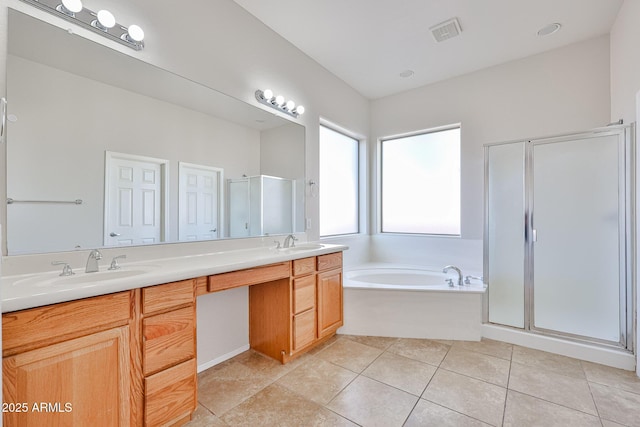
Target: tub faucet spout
457,270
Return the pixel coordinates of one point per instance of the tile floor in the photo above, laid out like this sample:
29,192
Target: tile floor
374,381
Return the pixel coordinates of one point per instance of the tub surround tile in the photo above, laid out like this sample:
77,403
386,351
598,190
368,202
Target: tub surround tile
617,405
370,403
350,354
277,406
563,390
625,380
427,351
523,410
317,380
429,414
477,365
397,371
486,346
469,396
548,361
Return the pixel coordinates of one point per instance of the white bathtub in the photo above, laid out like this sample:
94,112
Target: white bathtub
410,302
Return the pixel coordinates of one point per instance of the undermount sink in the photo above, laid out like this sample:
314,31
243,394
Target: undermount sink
305,247
82,277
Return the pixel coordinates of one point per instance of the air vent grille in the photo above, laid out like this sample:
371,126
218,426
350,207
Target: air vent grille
446,30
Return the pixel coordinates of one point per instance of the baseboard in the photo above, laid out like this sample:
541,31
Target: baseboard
220,359
604,356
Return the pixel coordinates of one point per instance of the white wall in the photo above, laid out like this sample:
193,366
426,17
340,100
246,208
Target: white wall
220,45
563,90
625,93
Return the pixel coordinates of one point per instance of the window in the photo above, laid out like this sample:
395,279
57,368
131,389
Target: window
420,183
338,183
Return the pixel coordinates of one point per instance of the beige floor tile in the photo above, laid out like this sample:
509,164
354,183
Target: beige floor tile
469,396
499,349
626,380
350,354
317,380
563,390
429,414
522,410
607,423
277,406
477,365
382,343
548,361
428,351
397,371
227,385
265,366
617,405
370,403
203,418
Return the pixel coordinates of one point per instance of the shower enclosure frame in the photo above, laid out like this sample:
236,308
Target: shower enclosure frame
626,234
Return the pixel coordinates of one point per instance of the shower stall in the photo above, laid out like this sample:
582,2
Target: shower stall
558,255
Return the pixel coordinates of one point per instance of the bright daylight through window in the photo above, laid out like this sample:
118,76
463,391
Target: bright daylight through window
338,183
420,183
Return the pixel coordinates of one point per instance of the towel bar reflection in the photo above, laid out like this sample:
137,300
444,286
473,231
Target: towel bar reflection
11,201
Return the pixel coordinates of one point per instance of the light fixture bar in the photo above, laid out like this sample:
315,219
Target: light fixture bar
266,97
89,19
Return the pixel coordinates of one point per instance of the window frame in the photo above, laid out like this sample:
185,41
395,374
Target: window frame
380,173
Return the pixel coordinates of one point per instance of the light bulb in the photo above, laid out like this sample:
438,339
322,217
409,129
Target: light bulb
135,33
300,109
106,19
267,94
279,100
290,105
73,6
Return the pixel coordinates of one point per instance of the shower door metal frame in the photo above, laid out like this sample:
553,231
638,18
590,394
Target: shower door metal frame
626,233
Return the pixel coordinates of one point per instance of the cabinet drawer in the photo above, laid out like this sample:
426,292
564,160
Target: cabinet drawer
304,329
250,276
168,338
329,261
304,293
40,326
304,266
163,297
170,394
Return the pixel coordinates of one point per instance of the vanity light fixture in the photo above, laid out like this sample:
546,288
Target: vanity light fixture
102,22
266,97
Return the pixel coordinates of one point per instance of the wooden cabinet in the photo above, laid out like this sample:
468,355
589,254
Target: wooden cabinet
121,359
289,317
168,352
70,364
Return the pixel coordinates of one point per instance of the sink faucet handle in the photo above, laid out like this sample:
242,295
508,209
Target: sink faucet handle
114,262
66,270
467,279
277,242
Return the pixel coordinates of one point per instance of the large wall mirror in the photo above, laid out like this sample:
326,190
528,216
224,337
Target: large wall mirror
106,150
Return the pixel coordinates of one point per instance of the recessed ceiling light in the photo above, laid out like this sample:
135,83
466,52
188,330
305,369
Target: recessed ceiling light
406,73
549,29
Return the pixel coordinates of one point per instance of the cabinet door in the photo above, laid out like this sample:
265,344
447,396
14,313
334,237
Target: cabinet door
329,302
84,381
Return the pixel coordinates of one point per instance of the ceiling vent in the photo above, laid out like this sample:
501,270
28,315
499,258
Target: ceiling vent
446,30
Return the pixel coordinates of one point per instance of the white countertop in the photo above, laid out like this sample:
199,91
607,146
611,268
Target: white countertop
32,290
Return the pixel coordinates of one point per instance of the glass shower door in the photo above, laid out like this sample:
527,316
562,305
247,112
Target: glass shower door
577,237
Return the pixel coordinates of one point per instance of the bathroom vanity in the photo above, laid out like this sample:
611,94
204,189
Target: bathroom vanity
129,357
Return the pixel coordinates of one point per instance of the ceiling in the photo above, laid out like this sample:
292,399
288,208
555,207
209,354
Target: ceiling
369,43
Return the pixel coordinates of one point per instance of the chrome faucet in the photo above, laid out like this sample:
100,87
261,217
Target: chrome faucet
92,261
457,270
289,241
